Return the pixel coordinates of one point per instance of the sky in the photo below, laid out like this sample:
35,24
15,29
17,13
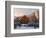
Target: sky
23,11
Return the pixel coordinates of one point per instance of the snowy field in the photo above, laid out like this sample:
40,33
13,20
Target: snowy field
26,26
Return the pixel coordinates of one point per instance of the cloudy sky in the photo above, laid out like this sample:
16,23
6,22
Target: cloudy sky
23,11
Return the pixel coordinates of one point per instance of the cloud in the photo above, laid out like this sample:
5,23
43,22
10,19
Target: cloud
23,11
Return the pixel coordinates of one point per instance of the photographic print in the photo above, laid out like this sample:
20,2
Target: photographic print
24,18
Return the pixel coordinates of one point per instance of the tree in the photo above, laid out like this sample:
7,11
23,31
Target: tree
34,19
16,20
24,20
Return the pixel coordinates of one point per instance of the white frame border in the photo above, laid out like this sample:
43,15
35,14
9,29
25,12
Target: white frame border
25,31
